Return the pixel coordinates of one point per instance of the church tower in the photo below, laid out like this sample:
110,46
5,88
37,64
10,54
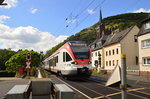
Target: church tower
101,27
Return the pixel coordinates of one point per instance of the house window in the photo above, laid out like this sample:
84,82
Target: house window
146,61
109,52
106,63
106,53
147,25
96,63
113,51
117,51
135,38
146,43
113,62
95,45
109,63
98,52
117,62
95,53
136,60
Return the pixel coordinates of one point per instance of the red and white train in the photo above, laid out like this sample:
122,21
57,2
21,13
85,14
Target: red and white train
72,59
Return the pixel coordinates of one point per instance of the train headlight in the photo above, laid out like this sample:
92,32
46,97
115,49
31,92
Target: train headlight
89,62
74,63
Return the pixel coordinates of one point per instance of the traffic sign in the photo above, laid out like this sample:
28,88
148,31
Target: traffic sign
28,63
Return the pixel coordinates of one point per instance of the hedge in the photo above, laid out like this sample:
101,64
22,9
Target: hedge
6,74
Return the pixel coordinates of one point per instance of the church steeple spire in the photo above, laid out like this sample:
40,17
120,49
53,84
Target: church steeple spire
100,15
101,26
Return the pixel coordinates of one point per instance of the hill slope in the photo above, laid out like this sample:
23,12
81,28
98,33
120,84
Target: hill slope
88,35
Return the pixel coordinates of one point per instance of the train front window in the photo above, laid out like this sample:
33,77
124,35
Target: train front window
81,55
81,52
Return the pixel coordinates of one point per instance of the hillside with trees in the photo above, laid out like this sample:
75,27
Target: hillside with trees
88,35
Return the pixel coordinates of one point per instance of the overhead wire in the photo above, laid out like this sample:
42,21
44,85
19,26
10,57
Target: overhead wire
61,28
83,10
99,5
77,15
88,15
80,13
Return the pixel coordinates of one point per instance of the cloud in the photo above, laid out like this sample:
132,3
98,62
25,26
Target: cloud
90,11
10,4
3,18
142,10
32,10
27,38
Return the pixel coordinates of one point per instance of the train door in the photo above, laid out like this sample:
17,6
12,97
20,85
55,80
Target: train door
59,61
66,62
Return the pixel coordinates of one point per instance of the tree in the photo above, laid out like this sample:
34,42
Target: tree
18,60
5,54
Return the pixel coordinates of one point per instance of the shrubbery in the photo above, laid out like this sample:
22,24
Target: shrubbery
6,74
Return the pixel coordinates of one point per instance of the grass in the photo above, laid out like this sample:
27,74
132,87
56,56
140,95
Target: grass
99,73
44,75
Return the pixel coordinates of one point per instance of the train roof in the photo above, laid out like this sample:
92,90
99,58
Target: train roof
76,42
80,42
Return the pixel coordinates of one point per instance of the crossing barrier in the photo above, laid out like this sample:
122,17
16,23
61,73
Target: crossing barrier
40,89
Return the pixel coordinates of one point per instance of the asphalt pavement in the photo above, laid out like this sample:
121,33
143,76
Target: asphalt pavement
134,80
7,83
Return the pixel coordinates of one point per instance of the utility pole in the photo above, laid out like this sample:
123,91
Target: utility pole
123,85
28,62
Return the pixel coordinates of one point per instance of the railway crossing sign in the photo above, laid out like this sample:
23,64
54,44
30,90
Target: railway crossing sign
115,76
28,64
28,59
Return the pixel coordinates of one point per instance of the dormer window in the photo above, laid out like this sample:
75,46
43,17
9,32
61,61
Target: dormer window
99,43
95,45
147,25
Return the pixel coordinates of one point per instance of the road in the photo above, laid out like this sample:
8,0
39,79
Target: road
7,83
94,88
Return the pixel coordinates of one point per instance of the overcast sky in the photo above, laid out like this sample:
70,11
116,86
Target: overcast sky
41,24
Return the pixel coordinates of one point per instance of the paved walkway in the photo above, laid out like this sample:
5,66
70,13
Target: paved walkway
131,77
139,78
39,74
10,78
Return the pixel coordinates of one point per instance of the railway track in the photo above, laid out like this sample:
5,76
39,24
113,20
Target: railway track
95,89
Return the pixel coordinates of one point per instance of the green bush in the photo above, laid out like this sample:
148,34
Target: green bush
33,71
